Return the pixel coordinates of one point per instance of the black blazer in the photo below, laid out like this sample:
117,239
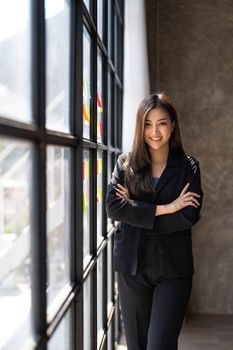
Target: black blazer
137,217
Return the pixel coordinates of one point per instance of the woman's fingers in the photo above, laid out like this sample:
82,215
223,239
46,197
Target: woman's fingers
191,204
191,194
191,199
120,195
121,191
123,188
184,189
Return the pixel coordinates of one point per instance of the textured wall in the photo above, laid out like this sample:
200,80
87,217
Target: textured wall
193,62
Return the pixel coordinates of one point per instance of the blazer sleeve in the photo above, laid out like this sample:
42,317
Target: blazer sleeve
133,212
188,216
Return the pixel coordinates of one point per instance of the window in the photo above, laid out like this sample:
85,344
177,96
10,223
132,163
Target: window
15,236
60,134
99,98
57,29
86,206
58,222
87,314
15,52
99,196
87,93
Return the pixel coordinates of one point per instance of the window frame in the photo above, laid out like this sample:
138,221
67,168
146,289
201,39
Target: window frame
41,137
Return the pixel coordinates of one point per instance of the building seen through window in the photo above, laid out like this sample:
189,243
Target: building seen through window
60,104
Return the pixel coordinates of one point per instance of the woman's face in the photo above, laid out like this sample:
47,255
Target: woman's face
157,129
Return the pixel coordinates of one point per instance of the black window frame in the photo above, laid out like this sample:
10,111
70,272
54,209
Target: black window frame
40,137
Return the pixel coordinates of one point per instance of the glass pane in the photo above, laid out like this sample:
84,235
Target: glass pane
115,41
87,314
100,299
114,119
109,269
99,98
117,323
99,195
15,60
117,52
15,235
109,167
57,64
86,83
61,340
115,282
110,127
118,118
109,221
110,332
110,27
58,220
100,18
87,3
86,206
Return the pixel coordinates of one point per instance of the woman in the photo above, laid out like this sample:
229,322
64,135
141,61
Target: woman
155,193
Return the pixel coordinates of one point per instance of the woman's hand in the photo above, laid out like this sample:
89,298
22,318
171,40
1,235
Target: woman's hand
122,191
185,199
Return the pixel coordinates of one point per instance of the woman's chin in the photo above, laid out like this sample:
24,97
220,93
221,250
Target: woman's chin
156,147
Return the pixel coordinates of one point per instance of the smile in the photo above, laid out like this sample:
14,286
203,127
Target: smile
156,138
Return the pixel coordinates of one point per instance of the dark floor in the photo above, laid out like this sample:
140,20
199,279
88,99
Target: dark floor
204,332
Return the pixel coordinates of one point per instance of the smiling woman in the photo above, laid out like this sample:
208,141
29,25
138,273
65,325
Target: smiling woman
157,128
155,192
157,131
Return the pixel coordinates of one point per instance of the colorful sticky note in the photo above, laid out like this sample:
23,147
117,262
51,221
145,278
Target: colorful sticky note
86,113
99,195
99,166
87,168
99,103
84,88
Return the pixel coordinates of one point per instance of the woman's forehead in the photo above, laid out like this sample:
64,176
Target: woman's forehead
156,114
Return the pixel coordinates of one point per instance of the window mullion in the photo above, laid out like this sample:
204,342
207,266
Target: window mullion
38,240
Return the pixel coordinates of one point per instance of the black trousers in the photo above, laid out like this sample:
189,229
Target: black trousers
153,306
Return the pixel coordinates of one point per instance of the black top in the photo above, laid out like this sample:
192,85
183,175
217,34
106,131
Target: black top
137,218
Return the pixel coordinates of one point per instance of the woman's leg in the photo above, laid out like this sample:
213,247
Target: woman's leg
136,300
170,300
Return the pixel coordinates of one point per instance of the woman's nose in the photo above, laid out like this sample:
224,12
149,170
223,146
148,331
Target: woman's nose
155,130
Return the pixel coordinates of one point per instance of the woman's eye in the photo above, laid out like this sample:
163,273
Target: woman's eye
146,124
163,123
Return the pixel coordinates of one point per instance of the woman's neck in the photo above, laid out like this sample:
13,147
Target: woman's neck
159,157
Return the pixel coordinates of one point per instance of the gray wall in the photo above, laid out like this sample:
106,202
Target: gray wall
193,62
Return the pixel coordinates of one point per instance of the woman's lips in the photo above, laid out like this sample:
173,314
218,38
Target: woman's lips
156,139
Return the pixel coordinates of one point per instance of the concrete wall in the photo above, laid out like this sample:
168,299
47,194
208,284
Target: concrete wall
193,62
136,72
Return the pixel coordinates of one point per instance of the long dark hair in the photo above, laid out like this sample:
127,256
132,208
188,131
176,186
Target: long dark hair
137,166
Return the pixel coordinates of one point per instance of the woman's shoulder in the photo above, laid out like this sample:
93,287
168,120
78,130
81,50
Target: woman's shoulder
120,164
122,158
192,163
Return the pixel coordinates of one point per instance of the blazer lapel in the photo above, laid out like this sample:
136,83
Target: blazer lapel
172,167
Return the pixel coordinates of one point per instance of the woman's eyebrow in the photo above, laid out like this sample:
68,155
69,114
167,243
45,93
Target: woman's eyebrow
159,120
